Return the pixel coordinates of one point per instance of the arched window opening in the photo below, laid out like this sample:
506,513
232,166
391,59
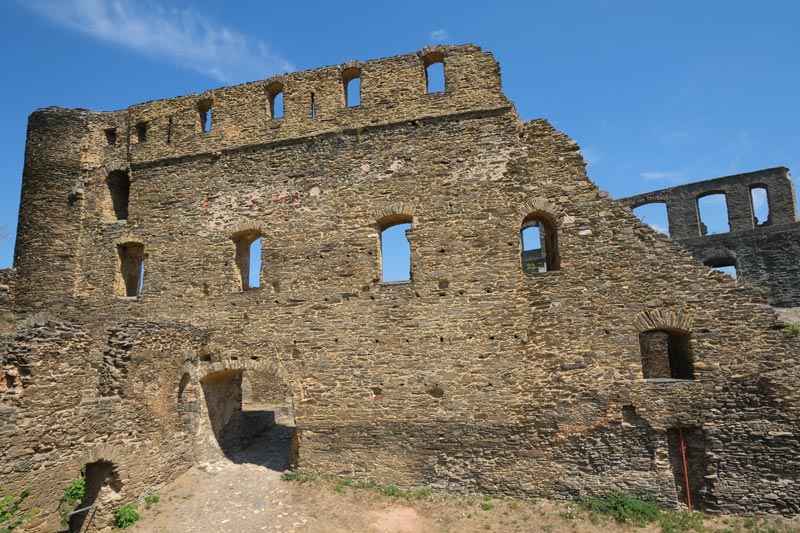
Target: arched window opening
119,187
395,248
248,259
434,73
760,202
351,78
666,353
654,215
206,118
539,244
726,266
275,95
712,212
131,258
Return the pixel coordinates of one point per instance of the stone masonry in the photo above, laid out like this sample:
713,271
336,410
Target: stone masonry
766,253
135,320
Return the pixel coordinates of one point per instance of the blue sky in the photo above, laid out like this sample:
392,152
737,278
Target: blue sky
657,93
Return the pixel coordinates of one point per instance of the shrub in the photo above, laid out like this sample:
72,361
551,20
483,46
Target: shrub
10,517
125,516
622,508
151,499
793,330
681,521
74,493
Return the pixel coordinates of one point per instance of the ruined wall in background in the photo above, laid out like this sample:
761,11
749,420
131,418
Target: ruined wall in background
471,375
766,253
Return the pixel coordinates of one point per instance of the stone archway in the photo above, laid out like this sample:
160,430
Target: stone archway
246,414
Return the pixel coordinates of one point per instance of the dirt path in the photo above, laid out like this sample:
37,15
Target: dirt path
245,494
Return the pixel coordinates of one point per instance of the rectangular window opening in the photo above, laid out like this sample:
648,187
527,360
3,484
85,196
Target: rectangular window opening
141,132
131,258
277,105
712,210
760,201
111,136
396,253
655,216
434,77
313,107
353,93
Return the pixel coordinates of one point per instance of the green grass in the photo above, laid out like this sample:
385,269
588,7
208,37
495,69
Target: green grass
486,506
125,516
622,508
296,475
681,521
151,500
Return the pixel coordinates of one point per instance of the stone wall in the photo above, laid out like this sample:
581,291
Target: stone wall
766,253
473,375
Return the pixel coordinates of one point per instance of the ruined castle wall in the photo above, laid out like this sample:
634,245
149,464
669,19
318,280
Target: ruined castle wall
472,375
766,253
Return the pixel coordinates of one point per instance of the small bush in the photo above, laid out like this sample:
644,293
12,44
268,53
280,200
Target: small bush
793,330
681,521
74,493
125,516
151,500
622,508
10,517
295,475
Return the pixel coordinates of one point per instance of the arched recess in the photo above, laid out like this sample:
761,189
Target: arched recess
103,489
539,249
720,259
665,344
247,255
263,433
394,248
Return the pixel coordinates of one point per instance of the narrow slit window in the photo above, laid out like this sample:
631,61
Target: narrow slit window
248,260
313,107
666,353
206,116
395,249
169,131
760,201
131,257
655,216
119,186
275,97
712,212
141,132
352,87
277,105
539,244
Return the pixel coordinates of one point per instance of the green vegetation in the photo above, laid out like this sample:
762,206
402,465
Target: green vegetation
10,516
793,330
681,521
296,475
74,493
486,506
151,500
622,508
125,516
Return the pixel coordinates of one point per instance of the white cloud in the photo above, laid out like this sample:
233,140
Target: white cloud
671,175
660,229
181,36
438,36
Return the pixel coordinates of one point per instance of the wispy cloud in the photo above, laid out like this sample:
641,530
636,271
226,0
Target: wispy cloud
438,36
181,36
670,175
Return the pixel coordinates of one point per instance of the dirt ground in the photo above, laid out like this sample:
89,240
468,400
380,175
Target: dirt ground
246,494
